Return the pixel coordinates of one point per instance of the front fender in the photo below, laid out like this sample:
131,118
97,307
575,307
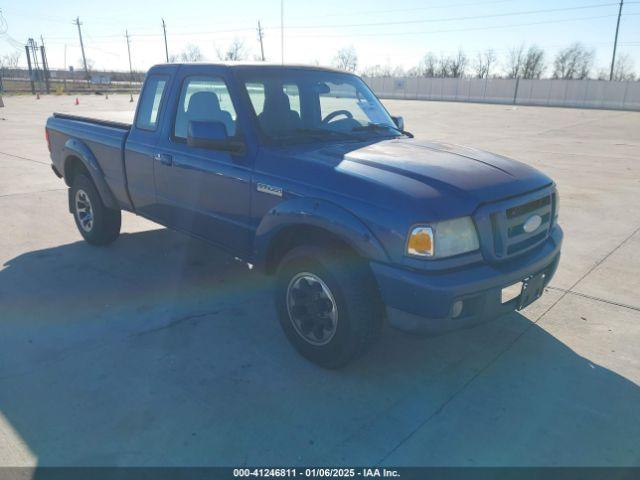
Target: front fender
77,148
320,214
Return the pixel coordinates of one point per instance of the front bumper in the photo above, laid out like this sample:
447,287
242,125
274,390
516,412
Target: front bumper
423,302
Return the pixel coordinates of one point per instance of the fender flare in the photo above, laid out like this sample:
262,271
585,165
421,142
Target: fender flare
78,149
320,214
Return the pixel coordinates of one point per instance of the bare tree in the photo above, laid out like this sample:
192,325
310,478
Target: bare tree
444,67
191,53
533,64
91,63
10,61
234,52
458,64
515,61
573,62
414,72
484,62
377,71
428,65
346,59
623,68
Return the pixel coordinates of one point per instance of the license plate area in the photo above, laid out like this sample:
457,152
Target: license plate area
531,290
511,293
525,292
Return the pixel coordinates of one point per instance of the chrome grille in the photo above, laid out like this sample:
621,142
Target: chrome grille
501,225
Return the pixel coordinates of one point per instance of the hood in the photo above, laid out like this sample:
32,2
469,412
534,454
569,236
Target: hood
459,176
459,170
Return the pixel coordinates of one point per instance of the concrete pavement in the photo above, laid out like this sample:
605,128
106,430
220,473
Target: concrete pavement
161,350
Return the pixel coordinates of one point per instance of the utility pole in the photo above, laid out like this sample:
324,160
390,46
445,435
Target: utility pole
260,36
84,58
282,31
45,64
33,87
33,47
615,42
126,34
166,49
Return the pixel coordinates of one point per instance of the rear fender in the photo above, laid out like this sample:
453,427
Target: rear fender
77,148
320,214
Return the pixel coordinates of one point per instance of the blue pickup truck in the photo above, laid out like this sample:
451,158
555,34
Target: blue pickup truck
301,172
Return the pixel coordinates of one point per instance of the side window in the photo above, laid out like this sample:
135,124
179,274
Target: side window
256,95
204,99
291,90
150,103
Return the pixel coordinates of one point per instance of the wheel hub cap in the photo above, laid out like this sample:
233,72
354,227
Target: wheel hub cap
312,308
84,210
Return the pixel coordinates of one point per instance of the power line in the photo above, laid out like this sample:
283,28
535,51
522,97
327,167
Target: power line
406,10
208,32
4,26
453,30
452,19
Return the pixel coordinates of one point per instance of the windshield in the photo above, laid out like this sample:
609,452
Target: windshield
296,105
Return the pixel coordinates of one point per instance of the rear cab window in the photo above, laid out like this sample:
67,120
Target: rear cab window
257,95
150,102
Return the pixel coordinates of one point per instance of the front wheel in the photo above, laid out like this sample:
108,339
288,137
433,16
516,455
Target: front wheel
327,304
98,224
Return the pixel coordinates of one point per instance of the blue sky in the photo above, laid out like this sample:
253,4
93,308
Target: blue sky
382,32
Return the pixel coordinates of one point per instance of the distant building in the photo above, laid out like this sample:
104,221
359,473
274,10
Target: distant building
99,79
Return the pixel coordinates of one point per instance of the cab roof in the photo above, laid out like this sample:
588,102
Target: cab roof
250,65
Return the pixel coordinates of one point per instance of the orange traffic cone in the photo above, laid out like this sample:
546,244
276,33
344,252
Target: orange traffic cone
77,101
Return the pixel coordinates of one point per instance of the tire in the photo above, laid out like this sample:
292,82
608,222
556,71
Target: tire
98,224
309,279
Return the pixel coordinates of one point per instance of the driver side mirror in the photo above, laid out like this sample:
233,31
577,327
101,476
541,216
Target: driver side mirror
399,121
212,136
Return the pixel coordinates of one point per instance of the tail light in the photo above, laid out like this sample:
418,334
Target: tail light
46,136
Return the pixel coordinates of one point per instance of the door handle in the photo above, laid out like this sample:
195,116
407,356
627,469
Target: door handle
163,158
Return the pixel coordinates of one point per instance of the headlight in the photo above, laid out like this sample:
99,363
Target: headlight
443,239
556,199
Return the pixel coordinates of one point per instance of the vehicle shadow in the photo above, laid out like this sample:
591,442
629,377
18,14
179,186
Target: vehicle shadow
161,350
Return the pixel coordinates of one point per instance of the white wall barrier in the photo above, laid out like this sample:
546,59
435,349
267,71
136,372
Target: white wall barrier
556,93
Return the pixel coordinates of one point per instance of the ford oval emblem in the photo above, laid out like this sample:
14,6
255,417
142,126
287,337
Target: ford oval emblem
532,223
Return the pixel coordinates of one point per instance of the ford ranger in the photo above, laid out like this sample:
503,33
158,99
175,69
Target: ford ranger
302,172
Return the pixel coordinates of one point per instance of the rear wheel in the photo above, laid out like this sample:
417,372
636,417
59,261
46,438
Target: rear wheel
327,304
98,224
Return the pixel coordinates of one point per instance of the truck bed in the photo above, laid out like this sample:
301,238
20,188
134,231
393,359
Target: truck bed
103,140
96,121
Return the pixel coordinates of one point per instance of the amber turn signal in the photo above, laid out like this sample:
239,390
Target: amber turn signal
420,242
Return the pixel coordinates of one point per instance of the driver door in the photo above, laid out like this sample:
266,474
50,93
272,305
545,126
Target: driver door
202,191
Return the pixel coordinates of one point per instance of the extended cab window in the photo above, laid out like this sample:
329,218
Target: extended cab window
204,99
150,103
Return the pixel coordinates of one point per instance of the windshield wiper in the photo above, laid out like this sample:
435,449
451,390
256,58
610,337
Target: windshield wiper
379,127
323,133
